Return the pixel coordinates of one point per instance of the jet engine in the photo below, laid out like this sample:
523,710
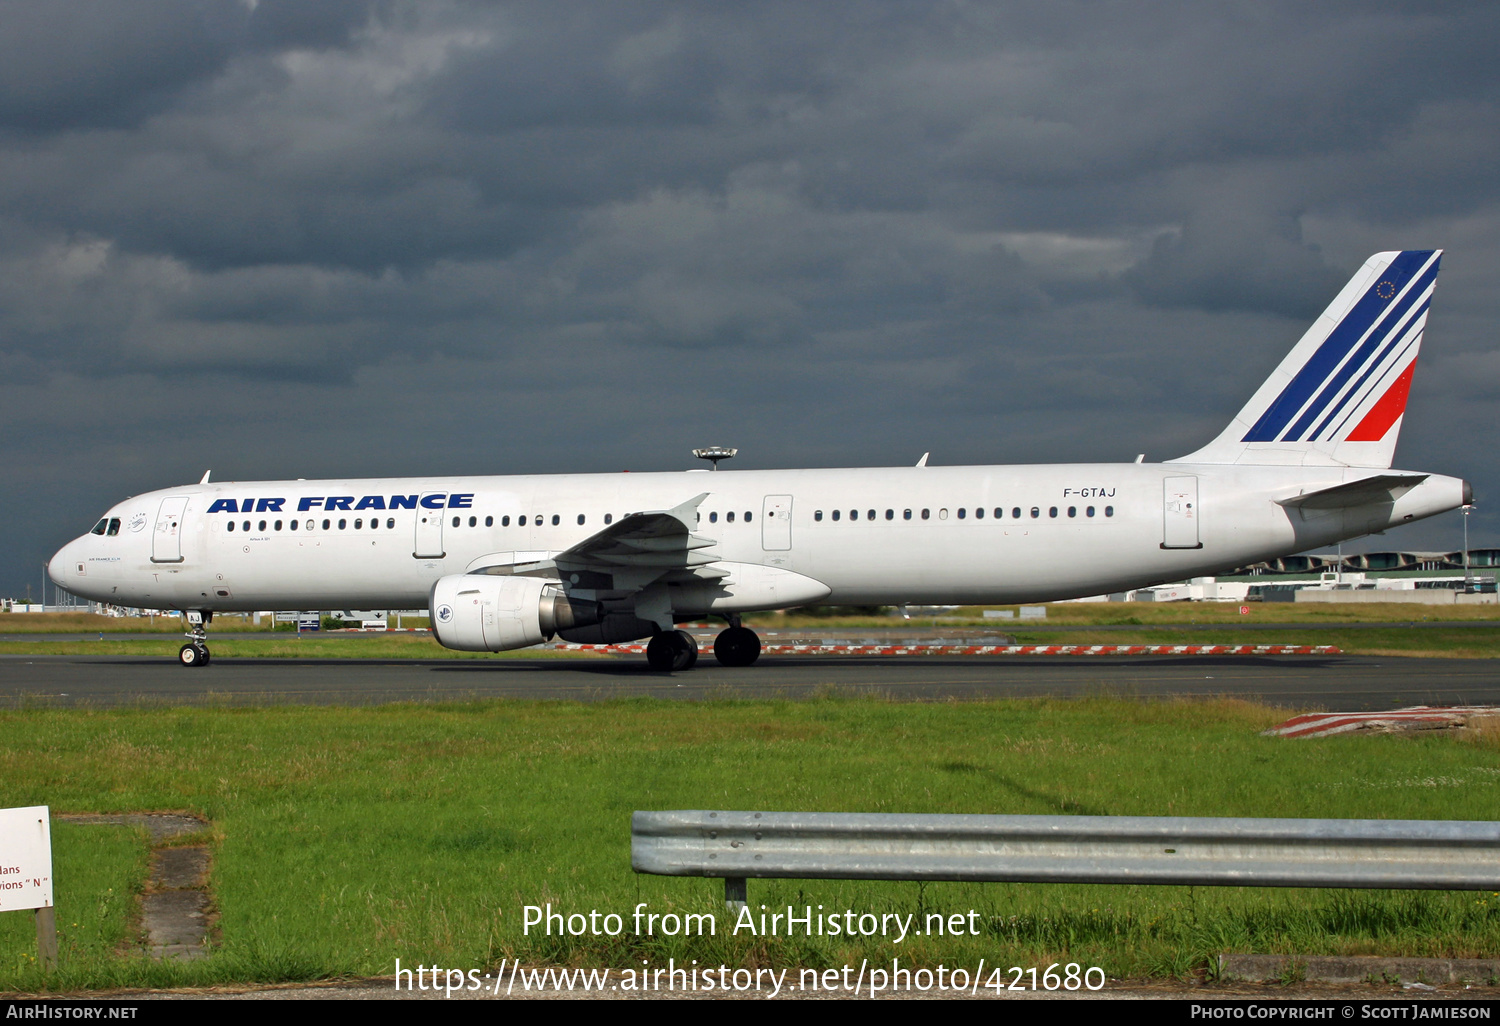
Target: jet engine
483,613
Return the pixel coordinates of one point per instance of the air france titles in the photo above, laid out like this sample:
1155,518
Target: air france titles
330,503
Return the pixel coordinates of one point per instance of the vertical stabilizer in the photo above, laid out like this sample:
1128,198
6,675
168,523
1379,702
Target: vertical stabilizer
1339,396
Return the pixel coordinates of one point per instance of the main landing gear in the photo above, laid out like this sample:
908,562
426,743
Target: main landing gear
672,651
737,646
195,652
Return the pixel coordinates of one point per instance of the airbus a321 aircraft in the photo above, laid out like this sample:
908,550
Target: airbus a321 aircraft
507,562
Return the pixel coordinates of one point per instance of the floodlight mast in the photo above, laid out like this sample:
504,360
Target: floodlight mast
715,453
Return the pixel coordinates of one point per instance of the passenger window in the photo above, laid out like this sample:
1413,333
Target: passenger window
245,526
390,523
817,514
1052,512
729,516
1109,511
713,518
870,515
310,525
1015,513
474,521
836,514
556,520
978,512
231,527
292,525
456,522
1089,512
278,525
343,524
609,518
521,520
1072,511
961,513
100,526
999,512
114,527
580,520
926,514
488,522
854,514
906,514
325,525
262,526
1035,512
890,514
747,516
505,521
943,514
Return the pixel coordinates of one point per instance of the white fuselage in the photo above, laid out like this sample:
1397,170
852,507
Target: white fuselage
1082,529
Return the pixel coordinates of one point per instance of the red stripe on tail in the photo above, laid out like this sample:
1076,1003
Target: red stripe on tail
1387,411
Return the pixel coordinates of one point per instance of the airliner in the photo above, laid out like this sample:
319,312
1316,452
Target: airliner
509,562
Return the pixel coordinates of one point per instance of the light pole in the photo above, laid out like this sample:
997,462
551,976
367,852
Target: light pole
1468,578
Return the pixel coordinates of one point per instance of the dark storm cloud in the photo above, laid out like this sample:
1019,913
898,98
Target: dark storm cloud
293,239
71,64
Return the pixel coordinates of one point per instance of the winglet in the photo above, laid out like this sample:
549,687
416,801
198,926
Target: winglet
685,513
205,477
923,461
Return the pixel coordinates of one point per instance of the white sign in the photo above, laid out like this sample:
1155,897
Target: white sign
25,858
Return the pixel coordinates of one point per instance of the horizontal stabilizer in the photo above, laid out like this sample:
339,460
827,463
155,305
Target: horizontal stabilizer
1384,488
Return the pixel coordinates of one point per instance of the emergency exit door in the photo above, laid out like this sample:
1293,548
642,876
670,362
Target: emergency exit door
429,539
776,523
1180,514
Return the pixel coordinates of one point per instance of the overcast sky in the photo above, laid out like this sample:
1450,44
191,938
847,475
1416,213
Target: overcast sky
290,239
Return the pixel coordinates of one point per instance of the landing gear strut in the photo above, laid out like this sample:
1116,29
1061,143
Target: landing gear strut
195,652
672,651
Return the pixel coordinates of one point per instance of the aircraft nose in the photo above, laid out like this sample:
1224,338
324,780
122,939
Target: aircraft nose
57,566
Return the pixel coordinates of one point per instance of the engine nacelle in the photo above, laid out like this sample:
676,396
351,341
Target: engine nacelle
484,613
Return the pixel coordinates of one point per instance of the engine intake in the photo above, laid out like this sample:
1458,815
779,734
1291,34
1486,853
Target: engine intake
482,613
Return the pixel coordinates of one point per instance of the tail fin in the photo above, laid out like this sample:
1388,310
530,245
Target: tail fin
1339,396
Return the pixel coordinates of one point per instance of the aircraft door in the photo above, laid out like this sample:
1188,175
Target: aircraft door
1180,513
166,542
776,523
429,541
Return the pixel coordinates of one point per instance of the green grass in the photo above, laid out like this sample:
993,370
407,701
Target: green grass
347,838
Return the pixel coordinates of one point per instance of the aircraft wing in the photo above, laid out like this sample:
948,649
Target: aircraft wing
661,540
638,550
1381,488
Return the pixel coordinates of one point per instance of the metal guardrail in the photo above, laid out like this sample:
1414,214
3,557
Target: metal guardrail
1416,854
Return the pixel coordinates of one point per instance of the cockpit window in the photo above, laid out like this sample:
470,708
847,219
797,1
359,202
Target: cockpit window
114,526
100,526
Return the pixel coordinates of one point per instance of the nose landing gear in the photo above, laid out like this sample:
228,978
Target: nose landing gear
195,652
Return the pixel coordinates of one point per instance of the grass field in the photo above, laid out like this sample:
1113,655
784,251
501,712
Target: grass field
347,838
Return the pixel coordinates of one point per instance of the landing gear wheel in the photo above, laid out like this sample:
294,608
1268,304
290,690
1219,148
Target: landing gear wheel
672,651
193,655
737,646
